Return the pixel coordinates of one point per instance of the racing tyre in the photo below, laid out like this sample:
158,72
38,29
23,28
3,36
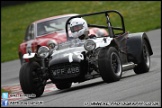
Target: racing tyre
62,86
109,63
144,66
30,81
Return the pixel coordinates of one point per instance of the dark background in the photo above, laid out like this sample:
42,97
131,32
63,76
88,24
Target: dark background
10,3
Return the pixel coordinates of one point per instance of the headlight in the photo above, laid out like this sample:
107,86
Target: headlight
51,44
90,45
43,52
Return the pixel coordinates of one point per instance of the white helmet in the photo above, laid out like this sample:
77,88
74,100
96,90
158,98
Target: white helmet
79,28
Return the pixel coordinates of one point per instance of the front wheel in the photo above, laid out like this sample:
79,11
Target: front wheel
109,63
144,66
30,80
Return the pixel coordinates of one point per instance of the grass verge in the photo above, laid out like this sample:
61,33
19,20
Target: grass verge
139,16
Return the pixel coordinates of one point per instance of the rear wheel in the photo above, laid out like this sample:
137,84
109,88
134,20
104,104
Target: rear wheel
30,81
62,86
109,63
144,66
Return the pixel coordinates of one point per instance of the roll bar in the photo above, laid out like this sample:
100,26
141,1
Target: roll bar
109,25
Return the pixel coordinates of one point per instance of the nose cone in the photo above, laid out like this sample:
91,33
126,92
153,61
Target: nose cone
68,55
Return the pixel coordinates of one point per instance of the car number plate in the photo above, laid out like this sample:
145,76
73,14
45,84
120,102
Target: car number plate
66,71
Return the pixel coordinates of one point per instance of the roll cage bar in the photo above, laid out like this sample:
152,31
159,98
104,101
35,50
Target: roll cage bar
109,25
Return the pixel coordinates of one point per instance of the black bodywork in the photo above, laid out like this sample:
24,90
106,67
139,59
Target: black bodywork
59,61
128,45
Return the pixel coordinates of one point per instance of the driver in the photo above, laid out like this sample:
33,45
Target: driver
79,28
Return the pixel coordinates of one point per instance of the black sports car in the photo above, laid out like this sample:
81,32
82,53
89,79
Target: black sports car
80,60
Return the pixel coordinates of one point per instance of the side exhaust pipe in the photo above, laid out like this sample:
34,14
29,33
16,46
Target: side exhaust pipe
128,66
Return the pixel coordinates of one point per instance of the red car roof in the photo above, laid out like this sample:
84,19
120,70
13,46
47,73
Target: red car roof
54,17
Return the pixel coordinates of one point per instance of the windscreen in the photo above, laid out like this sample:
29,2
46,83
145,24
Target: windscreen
71,44
51,26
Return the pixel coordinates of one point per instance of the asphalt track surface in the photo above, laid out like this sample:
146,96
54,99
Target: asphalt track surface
132,89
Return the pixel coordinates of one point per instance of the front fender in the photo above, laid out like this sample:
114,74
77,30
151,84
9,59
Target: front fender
135,45
102,42
28,56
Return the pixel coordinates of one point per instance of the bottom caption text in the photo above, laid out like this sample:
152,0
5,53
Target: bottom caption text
122,103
